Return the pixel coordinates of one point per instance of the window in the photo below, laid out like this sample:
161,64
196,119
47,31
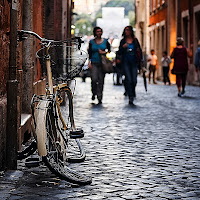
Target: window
158,3
150,4
197,19
154,4
185,30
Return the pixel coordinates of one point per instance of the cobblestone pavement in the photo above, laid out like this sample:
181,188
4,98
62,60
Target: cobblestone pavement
147,151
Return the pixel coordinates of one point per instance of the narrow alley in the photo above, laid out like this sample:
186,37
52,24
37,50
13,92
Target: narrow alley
146,151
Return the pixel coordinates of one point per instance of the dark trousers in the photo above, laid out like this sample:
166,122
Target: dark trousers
181,80
166,74
130,71
97,83
152,69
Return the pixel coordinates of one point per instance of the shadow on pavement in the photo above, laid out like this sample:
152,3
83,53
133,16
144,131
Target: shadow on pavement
132,106
96,105
189,97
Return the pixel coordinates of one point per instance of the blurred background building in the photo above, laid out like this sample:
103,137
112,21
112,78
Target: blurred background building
160,22
88,6
112,22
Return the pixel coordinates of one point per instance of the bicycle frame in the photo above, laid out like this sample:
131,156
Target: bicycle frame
41,129
43,105
65,88
57,144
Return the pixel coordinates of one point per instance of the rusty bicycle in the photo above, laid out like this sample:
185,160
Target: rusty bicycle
56,137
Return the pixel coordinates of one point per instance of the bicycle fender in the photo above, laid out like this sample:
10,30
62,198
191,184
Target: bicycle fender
41,127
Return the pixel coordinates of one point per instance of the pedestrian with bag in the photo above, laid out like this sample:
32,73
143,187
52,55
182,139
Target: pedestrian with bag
197,60
180,55
131,56
97,47
153,66
166,60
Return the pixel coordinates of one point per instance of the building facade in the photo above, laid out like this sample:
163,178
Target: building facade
166,20
88,6
112,22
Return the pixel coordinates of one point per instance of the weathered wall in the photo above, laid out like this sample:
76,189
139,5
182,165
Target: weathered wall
2,132
57,20
49,19
4,44
168,14
158,17
4,66
46,24
38,27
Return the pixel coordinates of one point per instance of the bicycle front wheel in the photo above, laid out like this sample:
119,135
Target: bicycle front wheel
55,159
66,124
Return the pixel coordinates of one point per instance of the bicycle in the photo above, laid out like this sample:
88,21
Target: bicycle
55,135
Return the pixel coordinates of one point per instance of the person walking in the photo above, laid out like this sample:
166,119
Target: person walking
197,61
131,56
166,60
153,65
180,68
97,46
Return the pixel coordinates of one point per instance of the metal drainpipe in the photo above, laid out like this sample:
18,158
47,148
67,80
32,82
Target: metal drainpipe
12,91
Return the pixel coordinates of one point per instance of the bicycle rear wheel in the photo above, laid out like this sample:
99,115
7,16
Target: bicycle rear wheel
56,157
65,122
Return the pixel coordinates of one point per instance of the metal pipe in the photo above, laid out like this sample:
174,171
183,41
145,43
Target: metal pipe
12,91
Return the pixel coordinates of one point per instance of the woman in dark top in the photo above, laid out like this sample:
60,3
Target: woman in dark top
180,69
131,55
97,46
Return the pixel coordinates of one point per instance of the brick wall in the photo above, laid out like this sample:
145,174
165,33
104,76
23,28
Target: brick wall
53,30
4,67
4,44
158,17
38,27
57,20
49,19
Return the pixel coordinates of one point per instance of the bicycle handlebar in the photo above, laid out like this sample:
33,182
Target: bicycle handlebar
44,40
22,32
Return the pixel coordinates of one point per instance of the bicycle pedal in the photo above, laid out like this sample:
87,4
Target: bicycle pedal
27,151
32,162
78,133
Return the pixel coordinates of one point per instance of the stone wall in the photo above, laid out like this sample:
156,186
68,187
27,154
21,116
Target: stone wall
4,68
4,44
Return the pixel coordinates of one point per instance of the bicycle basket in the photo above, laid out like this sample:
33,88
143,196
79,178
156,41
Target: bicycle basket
67,59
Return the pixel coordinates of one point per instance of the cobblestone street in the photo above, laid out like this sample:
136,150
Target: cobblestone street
147,151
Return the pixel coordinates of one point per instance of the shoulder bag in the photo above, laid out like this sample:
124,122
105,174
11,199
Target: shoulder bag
107,65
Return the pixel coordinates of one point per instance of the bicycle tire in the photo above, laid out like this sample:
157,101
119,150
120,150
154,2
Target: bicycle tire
55,159
76,152
68,174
